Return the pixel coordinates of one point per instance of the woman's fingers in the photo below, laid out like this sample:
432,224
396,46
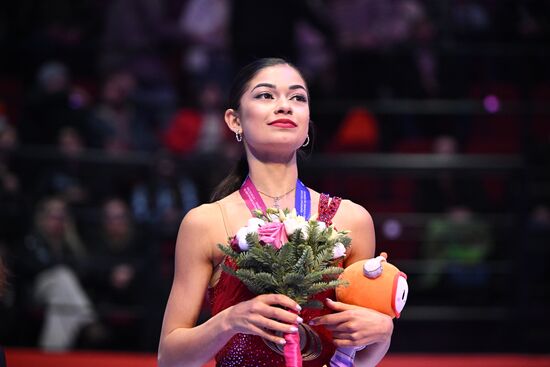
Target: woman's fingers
332,320
267,335
281,300
264,316
266,306
274,325
355,326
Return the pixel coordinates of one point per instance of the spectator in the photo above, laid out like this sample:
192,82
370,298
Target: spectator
446,188
458,243
206,28
121,262
136,38
68,177
113,121
164,198
53,104
200,129
48,264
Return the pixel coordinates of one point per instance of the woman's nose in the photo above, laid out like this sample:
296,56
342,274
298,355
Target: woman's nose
283,107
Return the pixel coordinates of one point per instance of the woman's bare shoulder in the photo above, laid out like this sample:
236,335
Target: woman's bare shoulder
208,219
200,216
353,215
353,209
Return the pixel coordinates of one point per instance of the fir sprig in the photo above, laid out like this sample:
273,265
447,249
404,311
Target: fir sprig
300,269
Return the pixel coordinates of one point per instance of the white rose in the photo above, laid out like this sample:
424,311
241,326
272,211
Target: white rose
255,223
294,223
274,217
321,226
291,225
304,227
339,250
241,236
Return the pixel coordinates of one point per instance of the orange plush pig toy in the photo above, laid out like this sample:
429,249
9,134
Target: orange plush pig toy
375,284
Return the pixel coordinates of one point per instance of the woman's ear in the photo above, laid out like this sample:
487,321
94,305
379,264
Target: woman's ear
232,120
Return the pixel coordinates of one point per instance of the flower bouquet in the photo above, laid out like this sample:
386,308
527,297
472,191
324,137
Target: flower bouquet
281,252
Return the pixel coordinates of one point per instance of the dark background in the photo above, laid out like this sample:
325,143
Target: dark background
433,115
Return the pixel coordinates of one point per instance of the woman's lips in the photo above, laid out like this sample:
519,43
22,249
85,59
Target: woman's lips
284,123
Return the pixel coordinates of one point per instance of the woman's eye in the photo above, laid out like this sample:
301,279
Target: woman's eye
264,95
300,98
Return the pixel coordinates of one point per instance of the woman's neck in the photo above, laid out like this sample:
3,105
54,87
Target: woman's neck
273,178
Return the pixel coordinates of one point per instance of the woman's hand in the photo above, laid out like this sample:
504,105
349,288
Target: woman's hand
354,326
263,316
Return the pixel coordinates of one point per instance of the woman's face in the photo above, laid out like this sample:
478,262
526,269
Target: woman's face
53,219
274,110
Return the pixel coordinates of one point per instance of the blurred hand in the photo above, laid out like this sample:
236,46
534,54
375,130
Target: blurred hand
354,326
262,316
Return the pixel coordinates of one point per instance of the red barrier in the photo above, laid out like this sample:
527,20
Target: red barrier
33,358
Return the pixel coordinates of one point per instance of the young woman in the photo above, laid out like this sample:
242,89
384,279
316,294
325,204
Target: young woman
269,114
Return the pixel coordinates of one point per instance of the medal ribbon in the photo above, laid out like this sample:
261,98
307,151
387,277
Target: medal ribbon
253,200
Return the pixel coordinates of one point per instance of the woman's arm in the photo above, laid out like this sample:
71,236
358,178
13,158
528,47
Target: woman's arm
353,325
181,342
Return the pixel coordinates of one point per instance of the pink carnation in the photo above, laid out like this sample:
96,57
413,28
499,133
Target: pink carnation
273,233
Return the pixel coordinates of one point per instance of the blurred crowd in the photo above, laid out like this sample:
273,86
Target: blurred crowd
103,103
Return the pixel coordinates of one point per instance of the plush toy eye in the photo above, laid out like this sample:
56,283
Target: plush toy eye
401,293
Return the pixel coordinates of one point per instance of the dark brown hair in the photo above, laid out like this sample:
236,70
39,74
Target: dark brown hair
239,172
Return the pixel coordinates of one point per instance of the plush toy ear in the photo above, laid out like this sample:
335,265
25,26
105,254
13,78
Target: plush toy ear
372,268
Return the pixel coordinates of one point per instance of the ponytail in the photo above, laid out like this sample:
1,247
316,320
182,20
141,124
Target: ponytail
233,181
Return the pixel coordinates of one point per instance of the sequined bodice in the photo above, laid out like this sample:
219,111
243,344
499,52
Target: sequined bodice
246,350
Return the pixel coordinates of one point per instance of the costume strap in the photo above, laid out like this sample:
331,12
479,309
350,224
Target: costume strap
224,217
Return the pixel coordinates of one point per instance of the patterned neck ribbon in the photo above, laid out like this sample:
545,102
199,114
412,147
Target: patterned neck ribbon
253,200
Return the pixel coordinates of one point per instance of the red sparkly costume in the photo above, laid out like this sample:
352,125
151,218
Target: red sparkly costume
247,350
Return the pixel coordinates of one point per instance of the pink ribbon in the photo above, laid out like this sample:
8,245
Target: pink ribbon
292,352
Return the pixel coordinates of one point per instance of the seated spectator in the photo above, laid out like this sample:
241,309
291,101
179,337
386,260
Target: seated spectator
113,120
53,104
199,129
48,264
69,177
446,188
358,132
458,244
164,197
120,263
